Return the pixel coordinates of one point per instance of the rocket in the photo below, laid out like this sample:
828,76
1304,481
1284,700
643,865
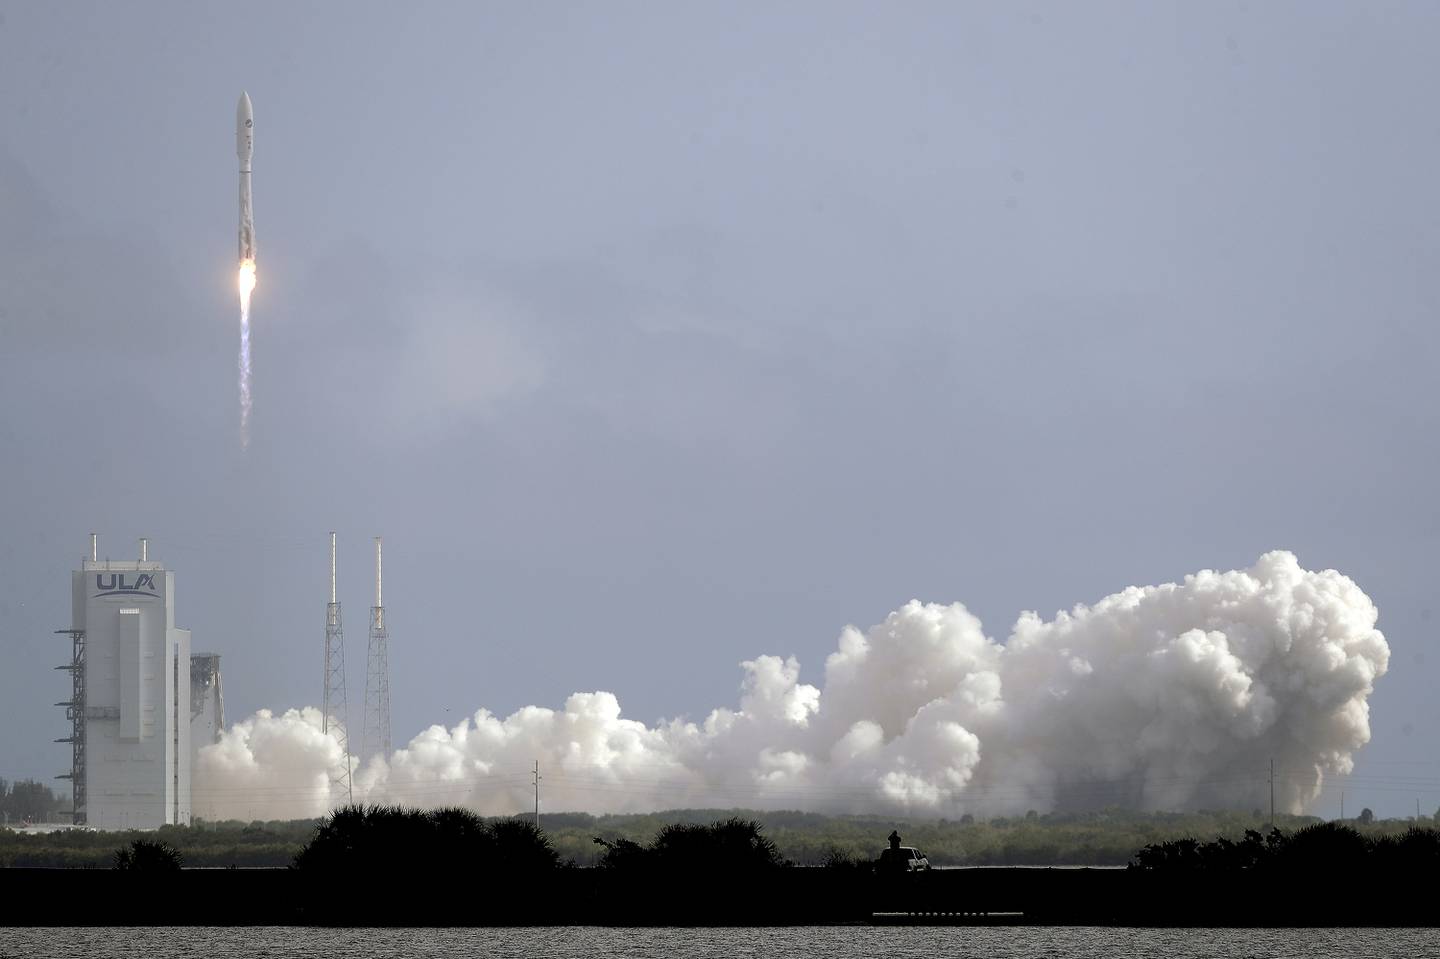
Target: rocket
245,276
244,149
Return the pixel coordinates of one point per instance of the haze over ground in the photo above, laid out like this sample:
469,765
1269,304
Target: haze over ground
654,339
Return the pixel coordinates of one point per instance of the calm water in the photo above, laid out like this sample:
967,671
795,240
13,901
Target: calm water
603,943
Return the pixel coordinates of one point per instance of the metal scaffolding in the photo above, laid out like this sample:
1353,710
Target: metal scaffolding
75,712
333,711
375,735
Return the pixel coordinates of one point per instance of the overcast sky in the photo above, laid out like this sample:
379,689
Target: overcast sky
656,336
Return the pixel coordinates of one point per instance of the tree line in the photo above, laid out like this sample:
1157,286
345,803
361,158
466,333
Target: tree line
385,865
1106,837
28,801
1327,847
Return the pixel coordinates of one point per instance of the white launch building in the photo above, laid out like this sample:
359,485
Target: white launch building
131,710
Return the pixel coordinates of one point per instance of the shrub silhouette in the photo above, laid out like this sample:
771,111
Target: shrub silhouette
623,855
1323,846
1415,849
840,861
734,846
520,847
402,841
1313,850
148,855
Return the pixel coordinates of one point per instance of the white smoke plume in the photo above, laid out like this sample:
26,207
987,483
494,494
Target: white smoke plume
1159,697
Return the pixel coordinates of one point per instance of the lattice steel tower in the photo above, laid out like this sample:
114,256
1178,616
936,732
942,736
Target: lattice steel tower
333,711
75,712
376,734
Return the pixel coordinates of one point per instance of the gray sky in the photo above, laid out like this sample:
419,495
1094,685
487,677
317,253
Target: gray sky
656,336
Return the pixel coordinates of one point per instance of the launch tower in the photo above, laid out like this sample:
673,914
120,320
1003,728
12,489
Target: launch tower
376,735
333,711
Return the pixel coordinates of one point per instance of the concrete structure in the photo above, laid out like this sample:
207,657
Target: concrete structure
132,704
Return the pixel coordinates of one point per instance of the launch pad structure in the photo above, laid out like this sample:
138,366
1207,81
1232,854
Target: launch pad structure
333,710
375,735
75,712
141,706
375,721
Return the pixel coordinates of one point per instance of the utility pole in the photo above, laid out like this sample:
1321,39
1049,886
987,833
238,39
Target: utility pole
1272,793
536,774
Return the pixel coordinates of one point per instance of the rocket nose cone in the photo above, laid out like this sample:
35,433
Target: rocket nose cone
243,110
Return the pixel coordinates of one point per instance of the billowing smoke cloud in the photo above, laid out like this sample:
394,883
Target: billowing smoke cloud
1157,697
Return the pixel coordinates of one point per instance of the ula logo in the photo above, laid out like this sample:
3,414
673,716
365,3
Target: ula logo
115,584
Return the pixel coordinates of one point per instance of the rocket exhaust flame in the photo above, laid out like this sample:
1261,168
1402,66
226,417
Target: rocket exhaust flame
246,282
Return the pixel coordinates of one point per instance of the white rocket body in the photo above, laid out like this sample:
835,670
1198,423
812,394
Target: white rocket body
244,149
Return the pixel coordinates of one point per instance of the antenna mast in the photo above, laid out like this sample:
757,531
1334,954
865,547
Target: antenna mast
333,711
376,734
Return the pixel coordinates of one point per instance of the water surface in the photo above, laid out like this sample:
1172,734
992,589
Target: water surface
588,942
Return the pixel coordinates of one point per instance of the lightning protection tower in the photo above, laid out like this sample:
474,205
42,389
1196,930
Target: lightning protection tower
333,710
376,736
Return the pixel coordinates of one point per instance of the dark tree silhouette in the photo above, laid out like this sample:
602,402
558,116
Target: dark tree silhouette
1315,849
1191,855
1366,816
622,855
520,847
1324,848
720,848
148,855
400,841
735,845
1415,849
